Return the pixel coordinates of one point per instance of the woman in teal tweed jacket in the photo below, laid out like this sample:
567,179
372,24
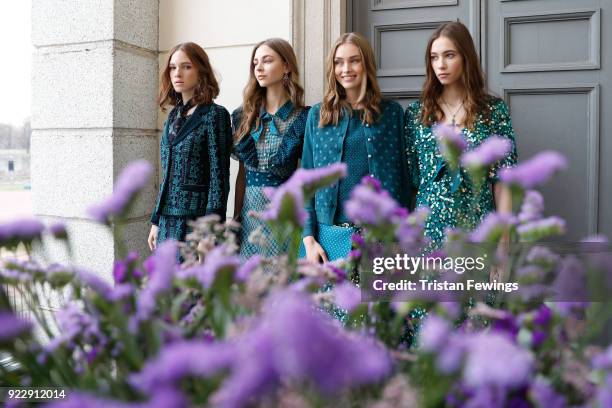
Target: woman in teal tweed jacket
195,146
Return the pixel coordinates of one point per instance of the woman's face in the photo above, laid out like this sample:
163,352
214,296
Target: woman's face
268,66
348,66
183,74
446,61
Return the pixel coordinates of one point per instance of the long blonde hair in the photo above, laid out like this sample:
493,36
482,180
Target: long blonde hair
334,100
254,95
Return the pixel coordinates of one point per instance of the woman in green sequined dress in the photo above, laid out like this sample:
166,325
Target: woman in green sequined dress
455,94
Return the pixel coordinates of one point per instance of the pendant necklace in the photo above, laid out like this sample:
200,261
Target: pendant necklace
456,111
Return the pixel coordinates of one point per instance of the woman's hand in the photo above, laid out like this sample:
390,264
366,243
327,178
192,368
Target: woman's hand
152,240
314,251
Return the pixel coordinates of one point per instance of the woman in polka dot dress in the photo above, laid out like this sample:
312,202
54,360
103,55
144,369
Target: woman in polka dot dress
353,125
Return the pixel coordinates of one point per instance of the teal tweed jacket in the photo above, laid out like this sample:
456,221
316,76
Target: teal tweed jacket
196,165
386,147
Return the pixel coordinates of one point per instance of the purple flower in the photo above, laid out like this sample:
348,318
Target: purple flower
538,338
543,316
492,227
542,256
120,271
93,281
182,359
159,398
493,360
604,393
160,279
603,361
493,149
58,230
507,325
287,201
532,207
347,296
544,395
12,326
369,207
247,268
570,283
535,171
131,180
434,334
536,230
450,357
372,183
291,343
217,261
409,233
286,205
26,230
450,142
310,180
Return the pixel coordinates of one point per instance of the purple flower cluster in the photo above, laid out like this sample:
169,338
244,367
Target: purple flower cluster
131,180
533,231
12,326
532,207
217,261
290,342
492,227
450,142
25,230
160,279
489,359
535,171
369,205
493,149
287,201
347,296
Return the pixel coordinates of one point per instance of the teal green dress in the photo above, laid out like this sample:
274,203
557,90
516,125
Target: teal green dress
454,203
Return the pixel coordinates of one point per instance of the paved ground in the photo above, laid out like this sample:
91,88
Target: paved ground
15,204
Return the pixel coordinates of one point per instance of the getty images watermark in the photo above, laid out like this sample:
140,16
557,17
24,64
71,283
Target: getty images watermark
549,271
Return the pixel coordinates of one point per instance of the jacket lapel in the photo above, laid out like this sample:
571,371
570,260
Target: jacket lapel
192,121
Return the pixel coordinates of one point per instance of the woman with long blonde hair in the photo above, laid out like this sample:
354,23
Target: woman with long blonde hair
354,125
268,137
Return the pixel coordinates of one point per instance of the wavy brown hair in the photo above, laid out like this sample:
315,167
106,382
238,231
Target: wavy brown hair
472,78
254,95
334,101
208,87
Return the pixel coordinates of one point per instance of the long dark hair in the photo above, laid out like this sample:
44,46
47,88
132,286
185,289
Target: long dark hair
208,87
473,79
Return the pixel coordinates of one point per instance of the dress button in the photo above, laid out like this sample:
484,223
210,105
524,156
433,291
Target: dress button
369,156
369,139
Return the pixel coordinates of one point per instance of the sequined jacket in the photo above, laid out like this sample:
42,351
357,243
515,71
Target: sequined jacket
386,149
195,165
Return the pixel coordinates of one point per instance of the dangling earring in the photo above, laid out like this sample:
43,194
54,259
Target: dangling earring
286,79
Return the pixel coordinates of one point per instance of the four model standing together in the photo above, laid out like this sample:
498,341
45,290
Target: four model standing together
354,124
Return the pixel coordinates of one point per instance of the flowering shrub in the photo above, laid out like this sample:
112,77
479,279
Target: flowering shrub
224,332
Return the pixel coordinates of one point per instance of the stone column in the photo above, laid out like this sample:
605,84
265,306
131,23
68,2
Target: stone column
95,79
316,24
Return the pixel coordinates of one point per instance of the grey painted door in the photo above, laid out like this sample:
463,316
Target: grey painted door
549,59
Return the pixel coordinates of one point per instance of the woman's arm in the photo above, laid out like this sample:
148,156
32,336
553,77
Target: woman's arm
314,252
239,193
